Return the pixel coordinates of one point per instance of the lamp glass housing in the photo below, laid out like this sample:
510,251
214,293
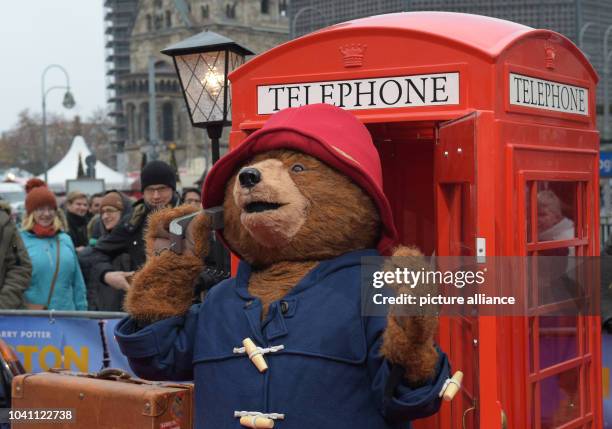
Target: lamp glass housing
204,80
68,101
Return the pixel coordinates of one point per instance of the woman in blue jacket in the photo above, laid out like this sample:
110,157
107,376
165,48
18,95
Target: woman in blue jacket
57,283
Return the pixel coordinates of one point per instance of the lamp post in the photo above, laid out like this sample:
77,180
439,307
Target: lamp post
203,63
68,103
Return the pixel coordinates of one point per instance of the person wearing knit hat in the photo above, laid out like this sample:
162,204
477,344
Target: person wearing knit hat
111,208
100,297
38,195
158,184
57,282
34,182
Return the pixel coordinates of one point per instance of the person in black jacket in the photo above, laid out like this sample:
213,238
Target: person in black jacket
77,207
101,297
158,183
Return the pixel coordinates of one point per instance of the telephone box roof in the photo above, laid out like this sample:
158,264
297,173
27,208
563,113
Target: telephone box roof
486,36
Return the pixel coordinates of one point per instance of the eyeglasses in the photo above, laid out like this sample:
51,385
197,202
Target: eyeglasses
161,189
109,210
193,201
42,210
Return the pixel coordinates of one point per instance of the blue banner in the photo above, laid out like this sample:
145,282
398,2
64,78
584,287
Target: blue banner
605,164
72,343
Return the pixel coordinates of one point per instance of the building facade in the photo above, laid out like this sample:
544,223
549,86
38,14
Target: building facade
154,25
585,22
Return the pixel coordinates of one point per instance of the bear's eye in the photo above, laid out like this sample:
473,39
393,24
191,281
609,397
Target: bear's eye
297,168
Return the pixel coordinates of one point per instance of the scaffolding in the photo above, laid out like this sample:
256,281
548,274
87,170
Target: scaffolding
119,17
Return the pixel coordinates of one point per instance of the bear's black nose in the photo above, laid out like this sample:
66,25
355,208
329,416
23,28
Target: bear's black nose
249,177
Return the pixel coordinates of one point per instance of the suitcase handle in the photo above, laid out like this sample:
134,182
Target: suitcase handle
113,374
105,374
116,374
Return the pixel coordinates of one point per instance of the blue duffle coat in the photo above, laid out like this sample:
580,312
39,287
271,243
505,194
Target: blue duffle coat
330,373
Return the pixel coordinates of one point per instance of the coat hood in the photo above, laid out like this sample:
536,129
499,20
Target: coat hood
328,133
5,207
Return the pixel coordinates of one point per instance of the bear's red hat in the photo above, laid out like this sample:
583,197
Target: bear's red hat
326,132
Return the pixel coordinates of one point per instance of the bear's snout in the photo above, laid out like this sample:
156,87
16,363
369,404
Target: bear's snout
249,177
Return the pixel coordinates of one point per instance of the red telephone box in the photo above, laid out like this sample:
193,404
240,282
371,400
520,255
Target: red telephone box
476,120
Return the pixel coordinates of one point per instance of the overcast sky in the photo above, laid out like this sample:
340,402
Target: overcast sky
37,33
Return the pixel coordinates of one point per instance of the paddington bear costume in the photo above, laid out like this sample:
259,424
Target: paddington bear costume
326,369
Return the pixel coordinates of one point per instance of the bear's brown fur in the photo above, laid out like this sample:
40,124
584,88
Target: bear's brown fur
330,196
339,217
167,274
321,214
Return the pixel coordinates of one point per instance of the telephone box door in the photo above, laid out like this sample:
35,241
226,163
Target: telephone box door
456,222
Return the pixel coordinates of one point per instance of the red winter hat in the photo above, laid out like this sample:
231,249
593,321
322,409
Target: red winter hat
34,182
326,132
38,195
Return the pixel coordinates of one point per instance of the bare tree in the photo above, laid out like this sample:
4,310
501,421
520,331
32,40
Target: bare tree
22,145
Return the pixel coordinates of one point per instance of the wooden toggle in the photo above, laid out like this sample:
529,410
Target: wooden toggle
256,422
453,386
256,356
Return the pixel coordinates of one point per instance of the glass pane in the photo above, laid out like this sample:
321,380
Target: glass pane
203,78
560,399
558,339
556,210
532,280
533,365
235,61
556,278
528,211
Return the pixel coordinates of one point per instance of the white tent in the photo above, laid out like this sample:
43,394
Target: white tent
67,169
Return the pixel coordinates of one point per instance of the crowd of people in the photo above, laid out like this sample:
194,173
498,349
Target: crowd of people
81,255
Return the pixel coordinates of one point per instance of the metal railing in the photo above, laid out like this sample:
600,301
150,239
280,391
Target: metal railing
51,314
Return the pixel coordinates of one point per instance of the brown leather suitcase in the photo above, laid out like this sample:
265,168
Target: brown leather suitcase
110,399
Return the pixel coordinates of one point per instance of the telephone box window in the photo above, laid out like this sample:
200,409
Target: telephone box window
560,399
551,211
557,338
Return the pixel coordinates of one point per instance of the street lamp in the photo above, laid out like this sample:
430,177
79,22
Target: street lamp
68,103
203,63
